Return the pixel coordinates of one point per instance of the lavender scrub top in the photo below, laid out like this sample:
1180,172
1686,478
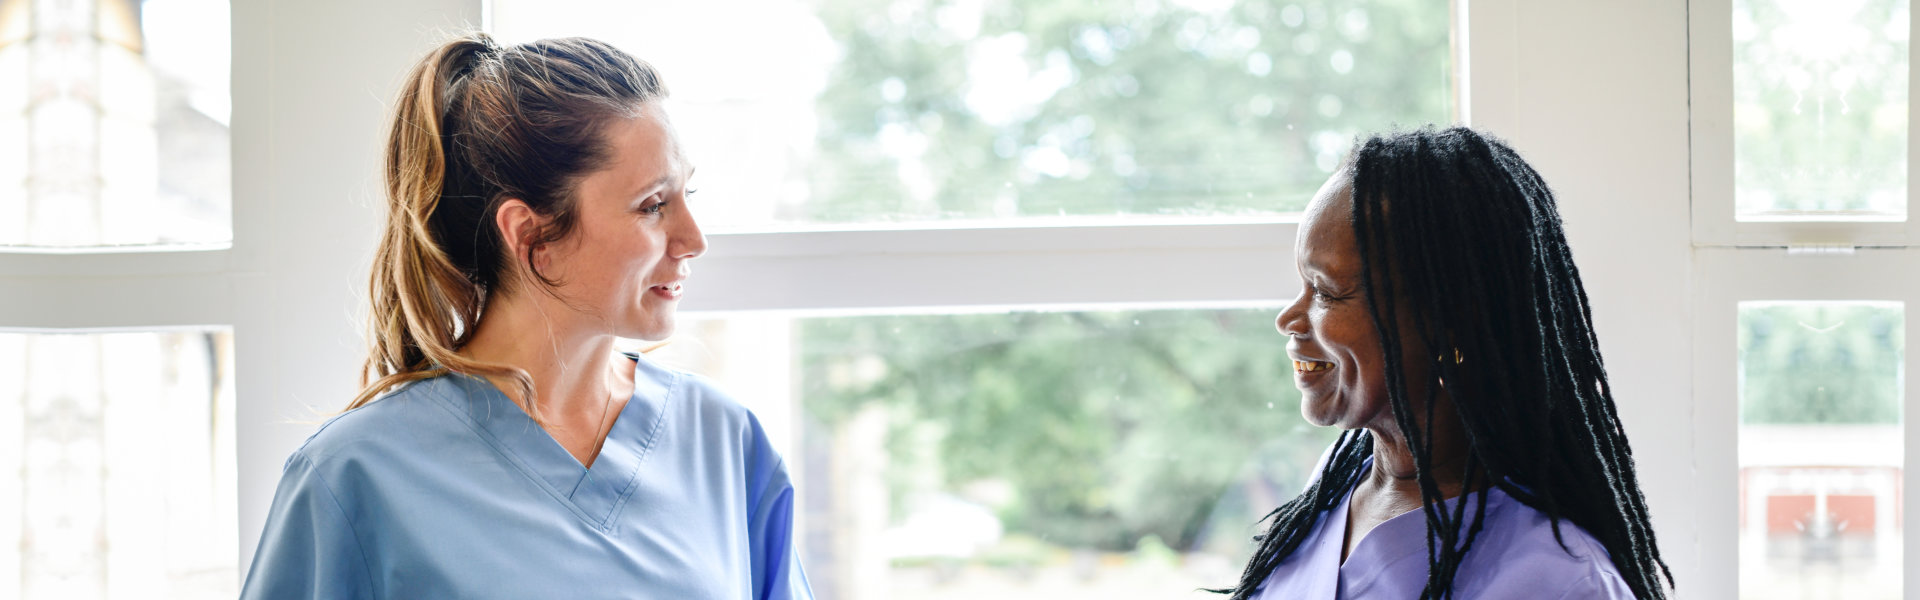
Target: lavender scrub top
1514,557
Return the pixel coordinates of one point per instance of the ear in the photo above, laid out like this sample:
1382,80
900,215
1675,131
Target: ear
519,228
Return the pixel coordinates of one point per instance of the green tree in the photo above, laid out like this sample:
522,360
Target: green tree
1108,426
1146,108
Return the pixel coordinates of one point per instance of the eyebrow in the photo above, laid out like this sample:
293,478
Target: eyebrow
659,182
1313,265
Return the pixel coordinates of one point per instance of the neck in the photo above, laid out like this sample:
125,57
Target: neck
1395,471
572,366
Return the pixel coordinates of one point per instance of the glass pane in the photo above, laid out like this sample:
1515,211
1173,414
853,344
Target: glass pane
113,123
119,450
1021,455
1821,454
891,111
1820,109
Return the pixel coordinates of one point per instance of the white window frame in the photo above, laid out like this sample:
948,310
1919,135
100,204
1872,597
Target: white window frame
1710,58
1735,261
1556,79
1729,276
308,105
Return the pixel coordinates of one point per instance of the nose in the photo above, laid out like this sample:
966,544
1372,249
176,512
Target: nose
685,240
1292,321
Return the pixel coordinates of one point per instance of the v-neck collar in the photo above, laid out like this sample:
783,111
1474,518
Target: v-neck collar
596,494
1322,569
1400,538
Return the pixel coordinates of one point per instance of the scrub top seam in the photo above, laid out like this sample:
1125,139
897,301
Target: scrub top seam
359,543
343,414
646,450
514,459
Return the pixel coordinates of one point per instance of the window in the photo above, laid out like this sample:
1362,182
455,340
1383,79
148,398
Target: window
113,123
120,447
963,112
1802,424
1004,274
1821,448
1801,127
1801,122
117,399
1820,110
996,454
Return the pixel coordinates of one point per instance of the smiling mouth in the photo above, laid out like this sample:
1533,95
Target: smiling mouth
670,291
1310,366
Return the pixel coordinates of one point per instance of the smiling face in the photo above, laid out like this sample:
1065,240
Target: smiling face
623,265
1339,364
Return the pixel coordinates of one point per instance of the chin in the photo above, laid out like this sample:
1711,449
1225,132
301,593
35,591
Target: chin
647,326
1315,417
650,334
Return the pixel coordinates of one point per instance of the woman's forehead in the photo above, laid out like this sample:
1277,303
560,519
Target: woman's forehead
1326,241
645,153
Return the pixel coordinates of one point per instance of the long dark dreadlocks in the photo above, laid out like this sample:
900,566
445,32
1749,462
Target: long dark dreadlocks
1472,245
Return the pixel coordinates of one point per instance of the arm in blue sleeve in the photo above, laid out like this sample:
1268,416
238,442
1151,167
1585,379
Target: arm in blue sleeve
309,549
776,564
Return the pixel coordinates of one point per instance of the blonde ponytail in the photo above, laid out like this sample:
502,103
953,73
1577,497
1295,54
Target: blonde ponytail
474,125
424,308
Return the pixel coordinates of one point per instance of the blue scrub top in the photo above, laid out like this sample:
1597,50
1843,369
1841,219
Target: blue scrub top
447,489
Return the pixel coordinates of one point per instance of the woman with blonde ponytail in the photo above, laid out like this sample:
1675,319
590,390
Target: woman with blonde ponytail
500,448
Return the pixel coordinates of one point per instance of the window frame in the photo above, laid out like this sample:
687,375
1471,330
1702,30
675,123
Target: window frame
1710,84
1135,265
1735,261
1729,276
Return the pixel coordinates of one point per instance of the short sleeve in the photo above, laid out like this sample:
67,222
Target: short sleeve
309,549
777,574
776,564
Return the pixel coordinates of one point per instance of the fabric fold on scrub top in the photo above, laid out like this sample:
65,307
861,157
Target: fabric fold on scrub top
445,488
1515,557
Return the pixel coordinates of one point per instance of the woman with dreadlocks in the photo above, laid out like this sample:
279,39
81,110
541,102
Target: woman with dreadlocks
1442,323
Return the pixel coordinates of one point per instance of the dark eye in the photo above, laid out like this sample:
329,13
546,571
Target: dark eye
1322,294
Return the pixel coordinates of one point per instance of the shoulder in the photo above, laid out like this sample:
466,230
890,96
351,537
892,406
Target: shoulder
712,417
416,414
1522,547
705,403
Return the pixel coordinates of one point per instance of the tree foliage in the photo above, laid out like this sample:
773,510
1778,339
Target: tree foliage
1107,427
1083,107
